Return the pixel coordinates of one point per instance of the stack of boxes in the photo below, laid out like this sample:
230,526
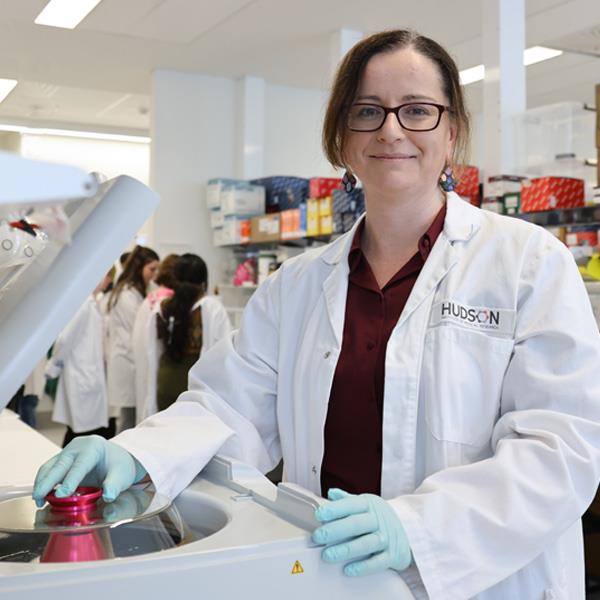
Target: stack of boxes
285,208
467,186
232,203
347,208
319,207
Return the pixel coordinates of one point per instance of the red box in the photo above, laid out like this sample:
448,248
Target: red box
468,183
320,187
550,193
582,238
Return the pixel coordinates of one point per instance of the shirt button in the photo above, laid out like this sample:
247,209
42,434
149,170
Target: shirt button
314,469
370,345
326,355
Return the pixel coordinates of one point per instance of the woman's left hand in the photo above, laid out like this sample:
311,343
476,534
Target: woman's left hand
363,530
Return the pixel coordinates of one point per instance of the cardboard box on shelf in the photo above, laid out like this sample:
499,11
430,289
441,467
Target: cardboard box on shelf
325,225
468,181
499,185
550,193
323,186
283,193
582,238
265,228
215,186
290,224
325,207
243,200
234,231
216,218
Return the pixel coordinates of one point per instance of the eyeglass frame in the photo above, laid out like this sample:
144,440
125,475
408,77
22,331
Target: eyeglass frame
441,108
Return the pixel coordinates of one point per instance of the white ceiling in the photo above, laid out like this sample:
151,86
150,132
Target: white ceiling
100,73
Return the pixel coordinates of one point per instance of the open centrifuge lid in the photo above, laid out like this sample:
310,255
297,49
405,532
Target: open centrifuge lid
38,299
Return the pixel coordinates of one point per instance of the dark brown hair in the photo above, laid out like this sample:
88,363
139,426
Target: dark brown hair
351,70
165,275
173,323
132,273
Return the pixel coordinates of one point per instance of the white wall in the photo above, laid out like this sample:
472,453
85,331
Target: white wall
293,122
192,130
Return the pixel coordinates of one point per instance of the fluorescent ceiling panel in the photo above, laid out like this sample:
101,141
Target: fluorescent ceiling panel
65,13
6,87
532,55
115,137
537,54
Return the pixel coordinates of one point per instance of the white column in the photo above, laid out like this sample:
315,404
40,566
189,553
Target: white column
341,41
250,128
504,91
193,140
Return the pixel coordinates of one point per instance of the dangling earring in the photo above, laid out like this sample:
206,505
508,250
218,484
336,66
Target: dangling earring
447,180
349,181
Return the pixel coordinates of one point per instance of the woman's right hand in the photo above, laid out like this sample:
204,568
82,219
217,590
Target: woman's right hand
88,460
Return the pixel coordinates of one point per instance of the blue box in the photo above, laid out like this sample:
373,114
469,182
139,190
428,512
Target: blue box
283,193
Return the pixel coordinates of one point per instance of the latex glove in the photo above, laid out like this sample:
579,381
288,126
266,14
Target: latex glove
363,530
88,460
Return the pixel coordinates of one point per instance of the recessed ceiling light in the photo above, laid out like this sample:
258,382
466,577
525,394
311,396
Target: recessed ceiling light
6,87
94,135
65,13
532,55
537,54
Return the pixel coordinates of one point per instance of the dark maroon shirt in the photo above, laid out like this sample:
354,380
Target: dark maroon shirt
353,429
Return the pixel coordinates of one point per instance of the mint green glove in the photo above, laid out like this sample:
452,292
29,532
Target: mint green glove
363,531
88,460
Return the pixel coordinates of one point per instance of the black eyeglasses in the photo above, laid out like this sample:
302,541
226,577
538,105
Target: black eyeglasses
414,116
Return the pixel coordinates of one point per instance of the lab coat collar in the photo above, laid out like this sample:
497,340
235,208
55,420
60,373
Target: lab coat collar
462,221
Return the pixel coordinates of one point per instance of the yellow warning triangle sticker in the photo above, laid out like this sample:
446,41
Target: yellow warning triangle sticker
297,568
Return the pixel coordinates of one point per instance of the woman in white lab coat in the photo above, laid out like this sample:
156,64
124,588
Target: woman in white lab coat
144,332
123,305
81,401
187,324
455,346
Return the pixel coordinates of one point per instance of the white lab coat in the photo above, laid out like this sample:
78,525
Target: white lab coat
121,365
147,347
81,398
491,429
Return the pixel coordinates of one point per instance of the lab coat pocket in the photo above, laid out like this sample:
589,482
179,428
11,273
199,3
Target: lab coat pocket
461,383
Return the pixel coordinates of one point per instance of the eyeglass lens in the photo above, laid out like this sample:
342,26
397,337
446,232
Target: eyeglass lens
369,117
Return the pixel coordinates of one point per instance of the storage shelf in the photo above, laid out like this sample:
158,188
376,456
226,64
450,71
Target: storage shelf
301,242
586,215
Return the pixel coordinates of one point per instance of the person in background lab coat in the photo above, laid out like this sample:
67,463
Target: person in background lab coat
78,360
123,305
434,371
143,338
186,325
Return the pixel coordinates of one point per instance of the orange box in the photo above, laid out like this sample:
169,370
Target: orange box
290,223
550,193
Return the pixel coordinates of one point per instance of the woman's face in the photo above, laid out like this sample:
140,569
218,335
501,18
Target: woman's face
391,159
149,271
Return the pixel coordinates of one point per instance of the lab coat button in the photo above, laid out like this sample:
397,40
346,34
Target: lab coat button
326,355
